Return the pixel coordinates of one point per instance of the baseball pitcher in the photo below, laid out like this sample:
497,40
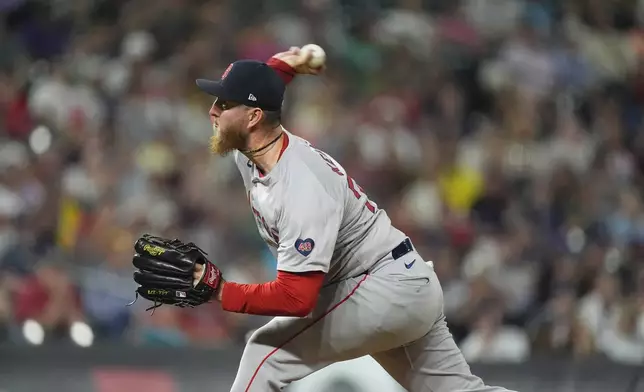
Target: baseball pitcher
348,283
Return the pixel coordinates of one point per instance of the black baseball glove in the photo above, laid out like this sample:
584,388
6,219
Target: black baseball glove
165,271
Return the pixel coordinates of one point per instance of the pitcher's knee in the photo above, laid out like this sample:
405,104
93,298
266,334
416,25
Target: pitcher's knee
261,367
276,355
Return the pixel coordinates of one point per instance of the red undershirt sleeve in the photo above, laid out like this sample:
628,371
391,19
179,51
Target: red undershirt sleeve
291,294
285,71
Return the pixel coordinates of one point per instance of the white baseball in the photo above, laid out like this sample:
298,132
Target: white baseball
318,57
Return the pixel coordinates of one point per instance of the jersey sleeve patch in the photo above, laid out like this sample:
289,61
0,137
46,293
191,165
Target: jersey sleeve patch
307,236
304,246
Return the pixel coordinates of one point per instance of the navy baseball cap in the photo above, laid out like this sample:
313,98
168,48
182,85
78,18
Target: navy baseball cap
248,82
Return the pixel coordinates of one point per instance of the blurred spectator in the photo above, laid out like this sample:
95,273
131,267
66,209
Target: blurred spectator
455,288
626,225
622,342
164,329
422,201
490,208
491,341
459,185
599,310
406,25
480,292
516,275
555,329
526,60
107,284
494,18
49,298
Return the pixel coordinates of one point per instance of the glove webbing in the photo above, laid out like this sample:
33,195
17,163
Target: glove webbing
182,304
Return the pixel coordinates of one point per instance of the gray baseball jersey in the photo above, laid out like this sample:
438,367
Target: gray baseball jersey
314,216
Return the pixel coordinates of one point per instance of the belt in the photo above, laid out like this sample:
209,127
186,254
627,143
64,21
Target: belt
402,249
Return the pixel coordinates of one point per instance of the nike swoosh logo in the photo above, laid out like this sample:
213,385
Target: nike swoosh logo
408,266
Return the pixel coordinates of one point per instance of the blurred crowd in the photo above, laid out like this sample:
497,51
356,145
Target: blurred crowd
503,136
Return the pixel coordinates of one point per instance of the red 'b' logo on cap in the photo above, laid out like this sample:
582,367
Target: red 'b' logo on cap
226,71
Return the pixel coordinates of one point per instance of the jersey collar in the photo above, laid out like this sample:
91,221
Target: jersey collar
265,178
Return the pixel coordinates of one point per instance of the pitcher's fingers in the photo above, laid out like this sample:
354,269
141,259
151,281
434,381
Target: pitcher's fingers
198,271
304,57
319,70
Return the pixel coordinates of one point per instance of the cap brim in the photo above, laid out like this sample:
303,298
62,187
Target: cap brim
212,87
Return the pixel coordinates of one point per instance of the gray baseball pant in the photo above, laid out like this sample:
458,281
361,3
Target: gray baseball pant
393,313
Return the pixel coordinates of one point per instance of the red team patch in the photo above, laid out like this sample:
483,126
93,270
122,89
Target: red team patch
304,247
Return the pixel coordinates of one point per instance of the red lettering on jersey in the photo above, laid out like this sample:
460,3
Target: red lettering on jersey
272,232
353,185
329,162
275,235
356,192
268,231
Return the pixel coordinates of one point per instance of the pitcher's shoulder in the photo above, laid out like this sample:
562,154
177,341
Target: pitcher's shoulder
302,178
